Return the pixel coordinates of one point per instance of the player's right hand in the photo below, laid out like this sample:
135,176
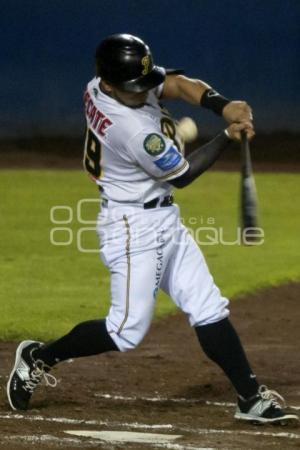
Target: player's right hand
237,111
234,130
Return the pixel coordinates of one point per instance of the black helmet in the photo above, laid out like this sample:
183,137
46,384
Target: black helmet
126,62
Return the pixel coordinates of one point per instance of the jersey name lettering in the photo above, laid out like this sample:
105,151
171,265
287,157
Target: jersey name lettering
98,121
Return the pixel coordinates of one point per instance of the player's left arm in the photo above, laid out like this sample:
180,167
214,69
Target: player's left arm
197,92
204,157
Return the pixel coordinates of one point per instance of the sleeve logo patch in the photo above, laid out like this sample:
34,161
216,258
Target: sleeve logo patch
169,160
154,144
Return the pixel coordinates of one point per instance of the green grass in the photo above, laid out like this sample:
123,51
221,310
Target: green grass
46,289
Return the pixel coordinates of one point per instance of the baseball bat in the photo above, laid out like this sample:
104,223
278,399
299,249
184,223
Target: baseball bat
248,194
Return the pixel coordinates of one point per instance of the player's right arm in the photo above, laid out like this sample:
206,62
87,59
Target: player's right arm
198,92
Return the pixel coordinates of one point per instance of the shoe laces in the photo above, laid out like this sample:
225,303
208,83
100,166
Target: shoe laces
268,394
38,374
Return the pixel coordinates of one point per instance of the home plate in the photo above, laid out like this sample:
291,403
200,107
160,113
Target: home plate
126,436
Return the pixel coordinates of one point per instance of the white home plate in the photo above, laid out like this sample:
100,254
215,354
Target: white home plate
126,436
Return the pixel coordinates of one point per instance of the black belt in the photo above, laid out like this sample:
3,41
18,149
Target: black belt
166,201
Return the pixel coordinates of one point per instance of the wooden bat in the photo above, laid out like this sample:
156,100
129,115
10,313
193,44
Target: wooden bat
248,194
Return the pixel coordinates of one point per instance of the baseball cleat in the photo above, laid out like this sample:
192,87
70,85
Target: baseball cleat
26,375
266,407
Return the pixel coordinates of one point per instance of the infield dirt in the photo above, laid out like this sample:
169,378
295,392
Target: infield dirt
166,381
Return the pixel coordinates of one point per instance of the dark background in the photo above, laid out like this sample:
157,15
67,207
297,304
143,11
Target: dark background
245,49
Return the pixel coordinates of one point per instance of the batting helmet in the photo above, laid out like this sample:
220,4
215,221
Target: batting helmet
126,62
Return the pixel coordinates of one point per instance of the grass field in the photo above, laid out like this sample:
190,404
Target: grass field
46,289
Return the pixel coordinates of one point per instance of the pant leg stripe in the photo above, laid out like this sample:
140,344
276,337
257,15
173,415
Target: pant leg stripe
127,226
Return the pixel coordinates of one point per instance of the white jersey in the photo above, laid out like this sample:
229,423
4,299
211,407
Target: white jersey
131,153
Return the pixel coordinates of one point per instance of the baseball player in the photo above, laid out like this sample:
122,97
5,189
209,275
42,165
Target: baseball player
136,158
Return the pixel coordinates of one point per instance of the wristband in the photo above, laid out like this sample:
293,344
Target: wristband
211,99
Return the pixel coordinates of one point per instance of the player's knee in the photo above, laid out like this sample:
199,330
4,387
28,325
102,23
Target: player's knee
132,333
130,336
126,341
217,312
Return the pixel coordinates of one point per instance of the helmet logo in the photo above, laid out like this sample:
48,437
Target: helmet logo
145,63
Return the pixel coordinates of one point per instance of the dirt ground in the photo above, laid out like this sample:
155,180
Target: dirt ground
167,385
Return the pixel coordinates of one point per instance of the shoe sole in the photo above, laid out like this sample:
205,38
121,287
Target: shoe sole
287,418
19,350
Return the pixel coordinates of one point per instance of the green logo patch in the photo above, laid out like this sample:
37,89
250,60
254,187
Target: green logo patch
154,144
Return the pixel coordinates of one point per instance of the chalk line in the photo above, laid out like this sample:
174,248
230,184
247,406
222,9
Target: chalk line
173,400
241,432
41,438
64,420
147,399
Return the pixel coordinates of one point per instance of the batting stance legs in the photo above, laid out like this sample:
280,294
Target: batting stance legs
144,250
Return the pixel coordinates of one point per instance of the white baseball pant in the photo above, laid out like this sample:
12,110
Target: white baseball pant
146,250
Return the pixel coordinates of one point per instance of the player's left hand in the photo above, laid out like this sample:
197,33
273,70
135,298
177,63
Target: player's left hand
234,130
237,111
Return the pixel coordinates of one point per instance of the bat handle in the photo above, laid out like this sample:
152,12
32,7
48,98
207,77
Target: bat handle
244,138
246,157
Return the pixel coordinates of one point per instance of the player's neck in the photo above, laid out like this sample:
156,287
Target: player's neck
104,91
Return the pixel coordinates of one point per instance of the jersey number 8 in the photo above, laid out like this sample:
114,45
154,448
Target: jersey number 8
169,129
92,154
